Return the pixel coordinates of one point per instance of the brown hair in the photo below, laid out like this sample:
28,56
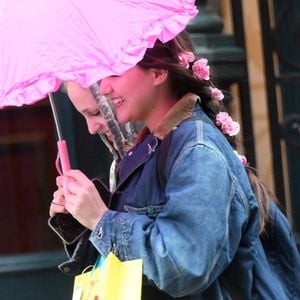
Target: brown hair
182,80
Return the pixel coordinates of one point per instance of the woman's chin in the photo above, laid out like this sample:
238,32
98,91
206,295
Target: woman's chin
125,116
122,117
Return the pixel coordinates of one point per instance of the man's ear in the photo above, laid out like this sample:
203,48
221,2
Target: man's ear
159,76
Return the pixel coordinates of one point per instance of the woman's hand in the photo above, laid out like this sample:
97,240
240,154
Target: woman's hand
58,202
82,199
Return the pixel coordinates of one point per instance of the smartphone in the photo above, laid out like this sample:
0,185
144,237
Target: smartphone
66,227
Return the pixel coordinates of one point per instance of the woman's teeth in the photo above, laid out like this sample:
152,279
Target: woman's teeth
118,100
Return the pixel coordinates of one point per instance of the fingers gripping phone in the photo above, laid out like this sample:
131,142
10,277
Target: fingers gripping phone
67,227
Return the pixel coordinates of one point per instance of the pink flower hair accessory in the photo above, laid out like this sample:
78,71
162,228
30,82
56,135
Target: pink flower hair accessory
242,158
185,58
227,125
216,94
201,69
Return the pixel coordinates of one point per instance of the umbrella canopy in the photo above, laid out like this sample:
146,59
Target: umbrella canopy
46,42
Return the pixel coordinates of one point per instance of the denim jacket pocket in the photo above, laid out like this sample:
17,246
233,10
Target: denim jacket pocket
150,211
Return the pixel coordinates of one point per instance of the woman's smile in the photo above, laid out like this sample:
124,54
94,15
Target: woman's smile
118,101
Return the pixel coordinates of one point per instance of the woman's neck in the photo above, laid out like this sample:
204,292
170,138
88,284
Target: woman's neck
159,111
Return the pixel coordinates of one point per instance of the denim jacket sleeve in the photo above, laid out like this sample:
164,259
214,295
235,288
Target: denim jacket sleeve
195,236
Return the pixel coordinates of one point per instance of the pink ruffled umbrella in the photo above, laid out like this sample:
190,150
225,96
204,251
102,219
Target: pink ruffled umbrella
46,42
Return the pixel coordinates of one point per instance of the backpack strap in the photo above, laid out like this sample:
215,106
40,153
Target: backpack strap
163,152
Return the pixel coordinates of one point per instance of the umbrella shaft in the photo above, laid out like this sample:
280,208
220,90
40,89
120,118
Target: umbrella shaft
55,115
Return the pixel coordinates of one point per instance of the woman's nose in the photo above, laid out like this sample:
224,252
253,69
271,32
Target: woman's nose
96,125
105,87
93,127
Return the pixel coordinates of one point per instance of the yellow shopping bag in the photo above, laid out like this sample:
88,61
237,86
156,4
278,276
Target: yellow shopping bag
86,285
110,279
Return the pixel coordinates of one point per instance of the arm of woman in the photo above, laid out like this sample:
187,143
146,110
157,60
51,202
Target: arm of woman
195,236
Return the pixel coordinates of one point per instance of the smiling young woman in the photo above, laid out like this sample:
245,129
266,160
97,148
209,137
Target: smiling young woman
208,230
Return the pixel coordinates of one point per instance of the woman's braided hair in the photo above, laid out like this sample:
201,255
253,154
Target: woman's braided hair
183,80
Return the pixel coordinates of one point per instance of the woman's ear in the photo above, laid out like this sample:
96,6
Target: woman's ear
159,76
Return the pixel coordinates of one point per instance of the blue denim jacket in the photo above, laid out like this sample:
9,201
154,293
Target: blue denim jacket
198,235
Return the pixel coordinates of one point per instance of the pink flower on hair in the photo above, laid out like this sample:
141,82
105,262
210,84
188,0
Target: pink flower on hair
201,69
242,158
185,58
216,94
227,125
